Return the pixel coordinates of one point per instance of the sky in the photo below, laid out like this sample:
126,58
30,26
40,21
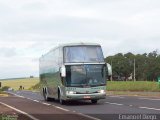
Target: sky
30,28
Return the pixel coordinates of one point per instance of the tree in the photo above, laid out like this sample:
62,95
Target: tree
147,65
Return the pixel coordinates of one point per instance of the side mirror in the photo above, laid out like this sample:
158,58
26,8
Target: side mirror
63,71
109,67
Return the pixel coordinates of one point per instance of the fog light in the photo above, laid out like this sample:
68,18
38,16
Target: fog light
71,92
102,91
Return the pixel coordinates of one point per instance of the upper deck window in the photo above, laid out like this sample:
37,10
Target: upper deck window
75,54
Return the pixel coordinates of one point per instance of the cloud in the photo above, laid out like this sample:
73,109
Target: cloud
18,67
30,28
7,52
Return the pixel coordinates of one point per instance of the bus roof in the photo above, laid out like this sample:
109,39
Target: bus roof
70,44
76,44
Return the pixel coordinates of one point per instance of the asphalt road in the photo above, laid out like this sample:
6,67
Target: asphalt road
35,110
111,108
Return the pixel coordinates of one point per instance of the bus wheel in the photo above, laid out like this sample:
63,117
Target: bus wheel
46,98
62,102
94,101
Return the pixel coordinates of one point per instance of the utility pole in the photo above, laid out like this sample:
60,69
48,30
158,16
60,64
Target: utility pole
134,69
112,69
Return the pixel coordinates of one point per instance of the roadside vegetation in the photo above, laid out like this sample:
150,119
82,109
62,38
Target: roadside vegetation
26,83
35,87
147,66
1,91
137,86
117,86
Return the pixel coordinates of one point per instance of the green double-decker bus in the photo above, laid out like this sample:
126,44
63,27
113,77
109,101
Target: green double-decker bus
74,72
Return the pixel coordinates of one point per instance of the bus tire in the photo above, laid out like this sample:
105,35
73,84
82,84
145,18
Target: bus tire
94,101
61,101
45,95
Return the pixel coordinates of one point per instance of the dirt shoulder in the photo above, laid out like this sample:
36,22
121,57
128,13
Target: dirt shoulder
7,113
4,95
129,93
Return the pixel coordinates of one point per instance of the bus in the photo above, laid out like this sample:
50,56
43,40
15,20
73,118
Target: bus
74,72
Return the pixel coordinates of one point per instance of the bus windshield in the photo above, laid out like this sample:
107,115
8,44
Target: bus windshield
75,54
85,75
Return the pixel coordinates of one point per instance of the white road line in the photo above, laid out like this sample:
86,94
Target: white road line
150,108
61,108
22,112
81,114
16,95
148,99
90,117
35,100
45,103
132,106
21,96
116,96
113,103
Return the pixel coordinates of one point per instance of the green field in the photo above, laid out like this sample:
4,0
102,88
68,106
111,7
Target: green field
27,83
32,83
133,86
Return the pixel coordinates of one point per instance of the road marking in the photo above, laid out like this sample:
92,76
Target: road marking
35,100
148,99
16,95
48,104
87,116
113,103
61,108
21,96
90,117
45,103
132,106
150,108
22,112
116,96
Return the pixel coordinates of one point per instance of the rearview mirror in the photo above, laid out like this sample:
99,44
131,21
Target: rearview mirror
109,67
63,71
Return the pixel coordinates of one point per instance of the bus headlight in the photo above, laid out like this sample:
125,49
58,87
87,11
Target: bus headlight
70,92
102,91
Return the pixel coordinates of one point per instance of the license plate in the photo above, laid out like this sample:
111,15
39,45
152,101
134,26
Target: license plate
87,97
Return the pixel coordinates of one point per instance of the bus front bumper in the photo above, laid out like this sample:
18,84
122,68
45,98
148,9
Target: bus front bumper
95,96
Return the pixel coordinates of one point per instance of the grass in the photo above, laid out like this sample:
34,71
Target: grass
117,86
1,91
15,84
133,86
